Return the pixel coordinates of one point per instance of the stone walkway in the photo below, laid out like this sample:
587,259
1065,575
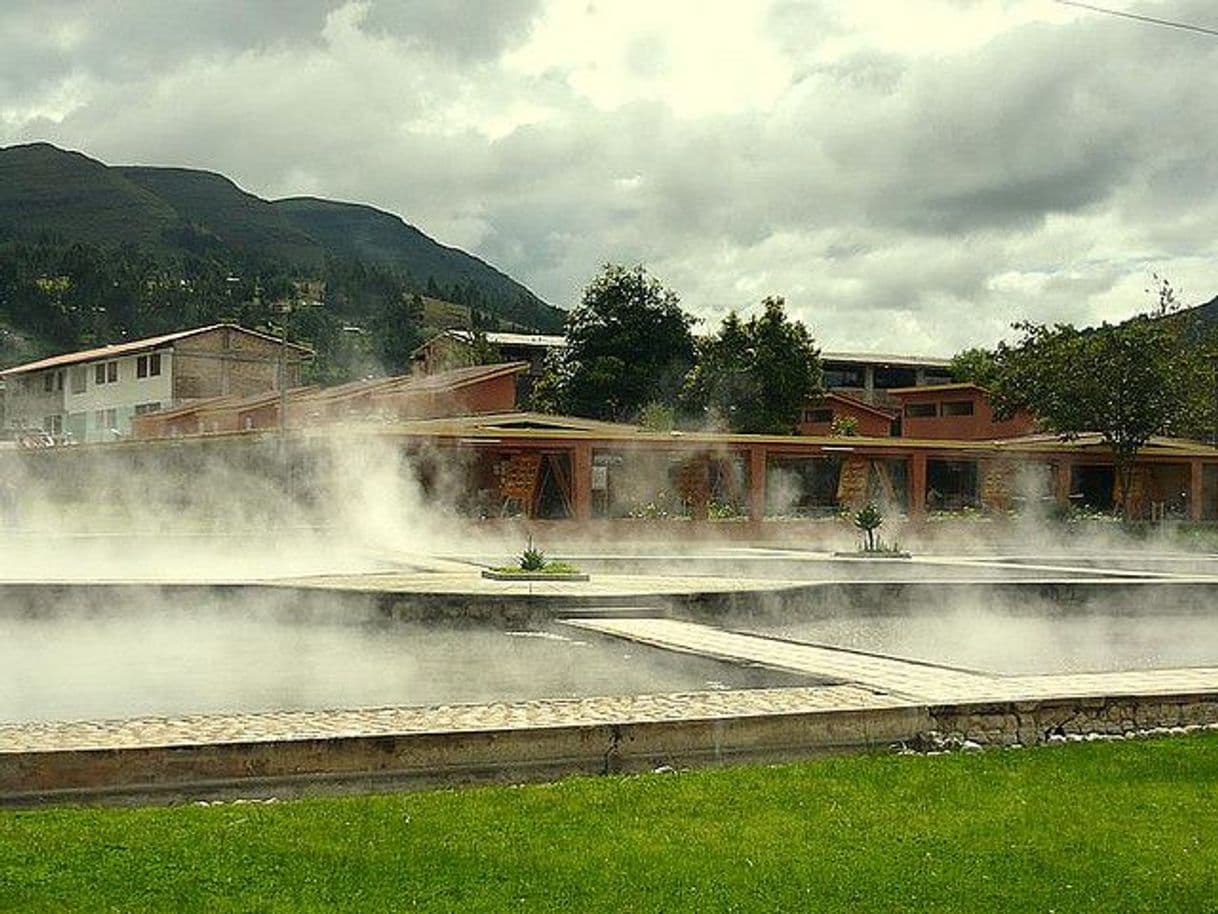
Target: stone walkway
896,677
196,729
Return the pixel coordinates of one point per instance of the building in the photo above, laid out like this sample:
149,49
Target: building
95,394
458,348
872,376
956,411
471,391
822,417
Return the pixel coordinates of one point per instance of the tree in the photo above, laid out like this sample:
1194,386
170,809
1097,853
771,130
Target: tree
1127,382
976,366
756,376
628,344
397,332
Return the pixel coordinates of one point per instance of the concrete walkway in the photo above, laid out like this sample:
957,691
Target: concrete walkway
895,676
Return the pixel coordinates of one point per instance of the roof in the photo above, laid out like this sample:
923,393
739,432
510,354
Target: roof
495,338
133,346
886,358
856,403
934,388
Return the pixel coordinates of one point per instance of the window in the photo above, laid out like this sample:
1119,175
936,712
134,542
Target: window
48,382
105,419
818,415
78,377
920,410
52,424
144,408
958,408
59,380
105,373
148,366
840,375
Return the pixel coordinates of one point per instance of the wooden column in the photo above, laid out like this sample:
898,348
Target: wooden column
1061,481
1196,486
581,481
917,485
757,456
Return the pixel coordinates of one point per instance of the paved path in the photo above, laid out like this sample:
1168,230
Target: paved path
195,729
894,676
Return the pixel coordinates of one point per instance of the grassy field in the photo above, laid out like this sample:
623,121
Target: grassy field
1086,827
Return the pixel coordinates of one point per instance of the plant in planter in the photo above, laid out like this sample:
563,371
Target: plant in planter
869,519
532,559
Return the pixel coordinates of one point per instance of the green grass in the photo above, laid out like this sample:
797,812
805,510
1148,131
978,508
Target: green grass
1086,827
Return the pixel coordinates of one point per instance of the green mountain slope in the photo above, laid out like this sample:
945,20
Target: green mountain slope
180,213
45,190
375,236
215,211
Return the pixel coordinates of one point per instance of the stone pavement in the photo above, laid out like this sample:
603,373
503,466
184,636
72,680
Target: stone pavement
197,729
923,682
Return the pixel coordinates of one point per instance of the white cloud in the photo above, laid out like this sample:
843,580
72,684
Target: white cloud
908,176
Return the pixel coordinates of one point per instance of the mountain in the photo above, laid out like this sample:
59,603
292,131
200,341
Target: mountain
181,212
374,236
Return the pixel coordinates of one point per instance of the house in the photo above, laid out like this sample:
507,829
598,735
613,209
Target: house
822,417
955,411
473,390
94,395
871,377
457,349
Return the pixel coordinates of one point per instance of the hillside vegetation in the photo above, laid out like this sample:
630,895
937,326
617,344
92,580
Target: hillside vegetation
93,254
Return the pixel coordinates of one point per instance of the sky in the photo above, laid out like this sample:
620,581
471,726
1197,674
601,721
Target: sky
910,175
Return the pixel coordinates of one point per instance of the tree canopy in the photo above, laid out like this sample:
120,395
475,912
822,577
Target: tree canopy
755,376
628,344
1127,382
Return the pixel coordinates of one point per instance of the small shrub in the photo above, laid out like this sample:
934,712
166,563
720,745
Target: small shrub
869,519
532,559
844,427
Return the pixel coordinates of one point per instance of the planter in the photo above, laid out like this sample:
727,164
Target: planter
867,556
493,575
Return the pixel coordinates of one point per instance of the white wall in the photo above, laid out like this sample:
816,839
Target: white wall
122,396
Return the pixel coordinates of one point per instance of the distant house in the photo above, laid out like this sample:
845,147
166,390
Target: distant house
871,376
93,395
960,412
476,390
870,421
456,349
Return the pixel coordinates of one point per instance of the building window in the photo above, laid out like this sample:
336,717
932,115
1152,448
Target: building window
144,408
105,373
106,419
958,408
79,376
844,376
53,424
818,415
148,366
48,382
920,410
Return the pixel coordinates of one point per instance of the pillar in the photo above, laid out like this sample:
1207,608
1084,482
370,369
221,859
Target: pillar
1063,471
1196,486
581,481
757,457
917,485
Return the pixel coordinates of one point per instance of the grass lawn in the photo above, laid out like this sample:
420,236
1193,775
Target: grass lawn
1084,827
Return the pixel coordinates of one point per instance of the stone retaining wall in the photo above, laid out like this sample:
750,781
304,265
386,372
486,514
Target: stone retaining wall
1028,723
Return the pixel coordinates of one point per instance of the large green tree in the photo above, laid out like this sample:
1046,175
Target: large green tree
755,376
628,345
1127,382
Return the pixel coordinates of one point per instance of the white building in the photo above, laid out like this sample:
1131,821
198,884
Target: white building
92,395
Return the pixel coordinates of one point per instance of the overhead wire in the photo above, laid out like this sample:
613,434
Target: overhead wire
1139,17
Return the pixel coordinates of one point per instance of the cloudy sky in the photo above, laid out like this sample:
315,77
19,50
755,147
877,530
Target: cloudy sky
909,174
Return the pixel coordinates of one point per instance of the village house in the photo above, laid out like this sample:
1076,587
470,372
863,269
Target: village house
94,395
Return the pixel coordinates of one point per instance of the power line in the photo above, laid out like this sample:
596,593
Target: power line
1137,17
